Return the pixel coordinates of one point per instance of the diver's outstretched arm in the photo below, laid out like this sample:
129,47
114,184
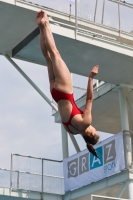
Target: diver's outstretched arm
87,118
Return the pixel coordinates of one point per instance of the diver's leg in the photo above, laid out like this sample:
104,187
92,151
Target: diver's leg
63,80
48,60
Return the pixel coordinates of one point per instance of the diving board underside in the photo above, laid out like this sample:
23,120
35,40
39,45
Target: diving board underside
106,113
20,39
80,57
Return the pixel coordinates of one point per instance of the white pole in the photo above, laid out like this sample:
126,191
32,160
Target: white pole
95,11
129,186
119,17
103,11
32,83
64,142
11,171
125,126
42,180
132,145
129,101
74,142
119,194
76,18
18,180
127,138
105,197
97,84
131,106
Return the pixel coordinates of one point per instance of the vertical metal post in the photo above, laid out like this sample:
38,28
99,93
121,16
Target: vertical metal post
42,180
64,142
132,145
11,171
125,126
103,11
76,18
97,84
119,17
129,101
18,180
95,11
119,194
70,11
74,142
129,187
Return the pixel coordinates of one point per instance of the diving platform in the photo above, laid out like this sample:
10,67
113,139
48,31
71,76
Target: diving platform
82,44
107,187
81,49
21,185
14,194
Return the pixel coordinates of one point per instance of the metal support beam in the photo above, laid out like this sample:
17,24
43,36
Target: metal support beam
76,18
42,181
129,101
131,134
11,169
124,3
132,146
64,142
95,11
129,187
119,17
74,142
119,194
32,83
125,126
103,12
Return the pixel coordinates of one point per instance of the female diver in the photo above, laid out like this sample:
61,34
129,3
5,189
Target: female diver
75,121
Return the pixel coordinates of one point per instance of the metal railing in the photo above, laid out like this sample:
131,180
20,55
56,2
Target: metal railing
4,178
116,14
36,174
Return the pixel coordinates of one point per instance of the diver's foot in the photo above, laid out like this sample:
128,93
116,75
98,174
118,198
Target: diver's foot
42,18
94,71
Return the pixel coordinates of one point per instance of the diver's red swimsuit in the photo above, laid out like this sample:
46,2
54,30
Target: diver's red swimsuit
58,95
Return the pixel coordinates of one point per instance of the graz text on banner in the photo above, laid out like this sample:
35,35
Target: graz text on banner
83,168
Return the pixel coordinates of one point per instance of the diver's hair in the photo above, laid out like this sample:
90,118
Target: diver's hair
91,149
90,141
